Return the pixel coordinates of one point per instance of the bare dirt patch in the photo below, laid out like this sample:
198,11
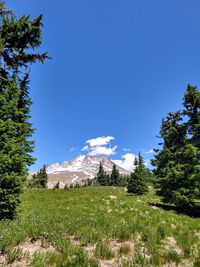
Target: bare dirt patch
113,197
28,249
31,247
126,247
171,244
109,263
2,259
184,263
20,263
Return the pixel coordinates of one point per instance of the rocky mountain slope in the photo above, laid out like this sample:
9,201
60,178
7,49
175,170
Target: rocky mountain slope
78,170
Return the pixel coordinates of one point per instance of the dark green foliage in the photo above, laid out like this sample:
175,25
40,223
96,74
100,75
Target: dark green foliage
115,179
77,185
115,176
123,180
138,182
102,178
43,177
18,36
168,160
88,182
71,186
39,179
192,111
151,178
178,161
57,185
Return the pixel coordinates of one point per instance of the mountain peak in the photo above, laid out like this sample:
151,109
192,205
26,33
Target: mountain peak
79,169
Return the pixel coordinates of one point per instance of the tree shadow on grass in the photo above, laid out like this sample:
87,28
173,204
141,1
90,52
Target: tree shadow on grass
191,211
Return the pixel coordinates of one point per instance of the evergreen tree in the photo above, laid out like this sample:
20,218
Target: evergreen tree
57,185
138,183
39,179
190,189
123,180
43,177
191,103
178,161
102,178
18,36
168,161
115,176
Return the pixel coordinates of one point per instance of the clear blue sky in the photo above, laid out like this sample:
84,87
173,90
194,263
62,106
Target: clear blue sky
118,67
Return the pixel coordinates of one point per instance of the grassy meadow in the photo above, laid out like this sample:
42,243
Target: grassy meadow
97,226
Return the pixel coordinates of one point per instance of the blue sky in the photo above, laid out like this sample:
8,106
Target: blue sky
118,67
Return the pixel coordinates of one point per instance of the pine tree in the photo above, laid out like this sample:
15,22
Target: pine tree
115,176
138,183
18,36
102,178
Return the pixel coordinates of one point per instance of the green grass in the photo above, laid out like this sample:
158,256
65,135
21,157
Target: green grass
92,217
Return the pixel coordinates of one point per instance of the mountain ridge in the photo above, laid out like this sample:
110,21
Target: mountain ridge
78,170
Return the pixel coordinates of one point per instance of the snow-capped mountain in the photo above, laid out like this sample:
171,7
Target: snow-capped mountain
78,170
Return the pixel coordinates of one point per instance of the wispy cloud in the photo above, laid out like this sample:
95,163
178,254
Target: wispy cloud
85,148
150,151
126,149
74,148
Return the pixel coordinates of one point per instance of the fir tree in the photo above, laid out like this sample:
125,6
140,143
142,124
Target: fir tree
39,179
168,160
178,161
190,190
57,185
191,103
115,176
138,183
18,36
102,178
123,180
32,182
43,177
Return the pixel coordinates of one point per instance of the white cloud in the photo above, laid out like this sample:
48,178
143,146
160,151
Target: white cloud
85,148
73,148
127,161
126,149
102,150
150,151
100,141
100,146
